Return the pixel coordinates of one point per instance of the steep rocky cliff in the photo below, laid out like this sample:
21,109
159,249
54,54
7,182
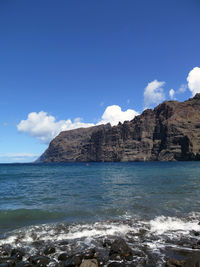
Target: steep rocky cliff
169,132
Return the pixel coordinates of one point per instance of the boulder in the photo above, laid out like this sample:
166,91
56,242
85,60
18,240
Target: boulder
175,263
49,250
73,261
39,260
119,248
63,257
89,254
89,263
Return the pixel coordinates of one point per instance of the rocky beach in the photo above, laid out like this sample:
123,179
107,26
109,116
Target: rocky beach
161,242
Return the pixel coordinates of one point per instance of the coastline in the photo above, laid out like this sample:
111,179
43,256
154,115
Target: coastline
164,241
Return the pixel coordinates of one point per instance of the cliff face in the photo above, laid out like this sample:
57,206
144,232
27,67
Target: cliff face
169,132
68,146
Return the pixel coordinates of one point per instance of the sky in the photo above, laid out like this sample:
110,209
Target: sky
68,64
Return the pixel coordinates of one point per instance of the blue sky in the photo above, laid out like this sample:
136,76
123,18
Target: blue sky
63,60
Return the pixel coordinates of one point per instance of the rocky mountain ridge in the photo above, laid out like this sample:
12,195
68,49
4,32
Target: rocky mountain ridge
169,132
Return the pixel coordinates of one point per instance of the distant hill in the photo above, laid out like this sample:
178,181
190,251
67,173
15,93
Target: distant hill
170,132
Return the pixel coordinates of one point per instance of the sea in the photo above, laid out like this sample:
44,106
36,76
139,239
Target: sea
154,206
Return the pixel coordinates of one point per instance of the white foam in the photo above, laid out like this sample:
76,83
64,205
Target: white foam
8,240
104,230
162,224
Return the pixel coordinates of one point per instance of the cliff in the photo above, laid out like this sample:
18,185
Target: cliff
169,132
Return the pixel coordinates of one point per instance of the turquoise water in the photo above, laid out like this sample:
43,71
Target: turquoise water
43,193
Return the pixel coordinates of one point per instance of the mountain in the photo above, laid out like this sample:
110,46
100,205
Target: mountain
170,132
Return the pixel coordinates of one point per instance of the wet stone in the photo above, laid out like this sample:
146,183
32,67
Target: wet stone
63,257
38,244
89,263
11,262
4,251
4,264
63,243
107,243
16,251
73,261
102,257
4,259
193,260
49,250
39,260
17,257
195,233
89,254
23,264
120,247
115,257
175,263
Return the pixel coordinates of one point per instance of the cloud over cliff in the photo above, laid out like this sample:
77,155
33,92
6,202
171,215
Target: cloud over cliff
45,127
154,93
194,80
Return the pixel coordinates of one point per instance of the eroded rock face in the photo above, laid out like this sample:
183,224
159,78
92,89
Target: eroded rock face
69,146
170,132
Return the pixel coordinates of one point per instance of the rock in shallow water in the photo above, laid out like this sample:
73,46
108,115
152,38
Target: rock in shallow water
39,260
23,264
63,257
89,263
119,248
89,254
49,250
175,263
73,261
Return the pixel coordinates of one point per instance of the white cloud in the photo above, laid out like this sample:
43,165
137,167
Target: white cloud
17,157
194,80
182,89
171,93
153,93
114,115
45,127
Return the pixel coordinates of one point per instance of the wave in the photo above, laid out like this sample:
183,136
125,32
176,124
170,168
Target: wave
147,238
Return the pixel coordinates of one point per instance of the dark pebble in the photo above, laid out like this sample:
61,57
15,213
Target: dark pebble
39,260
102,257
17,253
89,254
73,261
107,243
49,250
4,264
23,264
120,247
115,257
63,257
195,233
175,263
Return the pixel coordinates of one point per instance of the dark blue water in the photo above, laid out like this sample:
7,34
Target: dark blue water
44,193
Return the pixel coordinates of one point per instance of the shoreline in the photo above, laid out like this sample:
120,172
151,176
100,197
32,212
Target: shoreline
112,243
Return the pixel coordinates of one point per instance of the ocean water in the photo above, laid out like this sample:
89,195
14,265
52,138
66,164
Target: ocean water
154,205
